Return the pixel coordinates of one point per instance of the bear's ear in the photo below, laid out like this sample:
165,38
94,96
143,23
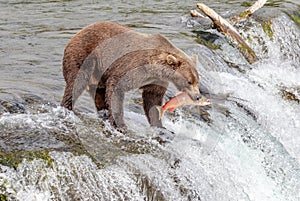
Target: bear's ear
194,58
171,60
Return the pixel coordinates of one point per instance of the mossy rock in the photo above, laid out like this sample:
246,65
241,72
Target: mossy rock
267,28
12,155
296,18
3,91
244,14
3,197
246,3
207,39
248,53
14,158
12,106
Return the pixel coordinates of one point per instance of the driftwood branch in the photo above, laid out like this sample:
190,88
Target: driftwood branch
257,5
195,13
249,11
228,30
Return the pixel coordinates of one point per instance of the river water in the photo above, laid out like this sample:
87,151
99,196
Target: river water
246,146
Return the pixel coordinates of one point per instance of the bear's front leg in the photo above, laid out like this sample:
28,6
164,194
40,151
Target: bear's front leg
115,102
152,97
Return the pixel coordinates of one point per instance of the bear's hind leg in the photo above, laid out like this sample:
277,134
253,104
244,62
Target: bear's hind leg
152,97
67,100
77,79
114,98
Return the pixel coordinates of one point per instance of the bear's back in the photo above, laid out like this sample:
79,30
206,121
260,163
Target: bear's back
111,39
87,39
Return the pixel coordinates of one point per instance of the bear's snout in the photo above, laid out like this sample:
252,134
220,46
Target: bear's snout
195,93
196,97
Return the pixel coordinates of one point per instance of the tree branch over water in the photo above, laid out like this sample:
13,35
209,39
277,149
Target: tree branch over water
249,11
195,13
228,30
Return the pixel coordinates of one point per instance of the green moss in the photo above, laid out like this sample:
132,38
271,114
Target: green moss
244,14
77,148
3,186
248,53
246,4
208,44
14,158
2,91
138,101
266,26
296,18
68,143
207,39
274,3
2,197
249,38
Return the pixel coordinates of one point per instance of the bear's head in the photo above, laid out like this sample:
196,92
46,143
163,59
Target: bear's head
185,76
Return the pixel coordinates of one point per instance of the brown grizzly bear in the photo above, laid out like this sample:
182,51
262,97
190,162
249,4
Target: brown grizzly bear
109,59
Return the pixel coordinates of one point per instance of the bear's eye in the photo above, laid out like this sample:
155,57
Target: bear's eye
190,83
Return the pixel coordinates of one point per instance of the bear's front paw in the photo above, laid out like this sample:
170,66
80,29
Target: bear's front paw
119,125
121,128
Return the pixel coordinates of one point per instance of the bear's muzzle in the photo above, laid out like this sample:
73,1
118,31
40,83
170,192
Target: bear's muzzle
194,93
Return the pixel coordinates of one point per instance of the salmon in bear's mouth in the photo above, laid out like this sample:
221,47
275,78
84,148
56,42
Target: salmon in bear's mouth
182,99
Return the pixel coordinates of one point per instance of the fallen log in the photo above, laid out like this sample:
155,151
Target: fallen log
249,11
228,30
195,13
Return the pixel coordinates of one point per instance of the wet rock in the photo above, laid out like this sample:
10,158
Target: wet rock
247,110
176,163
295,16
14,158
291,94
12,106
2,110
33,135
16,146
198,112
136,105
267,28
32,99
208,39
136,146
36,103
198,23
151,191
164,135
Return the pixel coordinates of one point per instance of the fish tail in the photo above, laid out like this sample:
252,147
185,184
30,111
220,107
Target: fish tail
161,111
